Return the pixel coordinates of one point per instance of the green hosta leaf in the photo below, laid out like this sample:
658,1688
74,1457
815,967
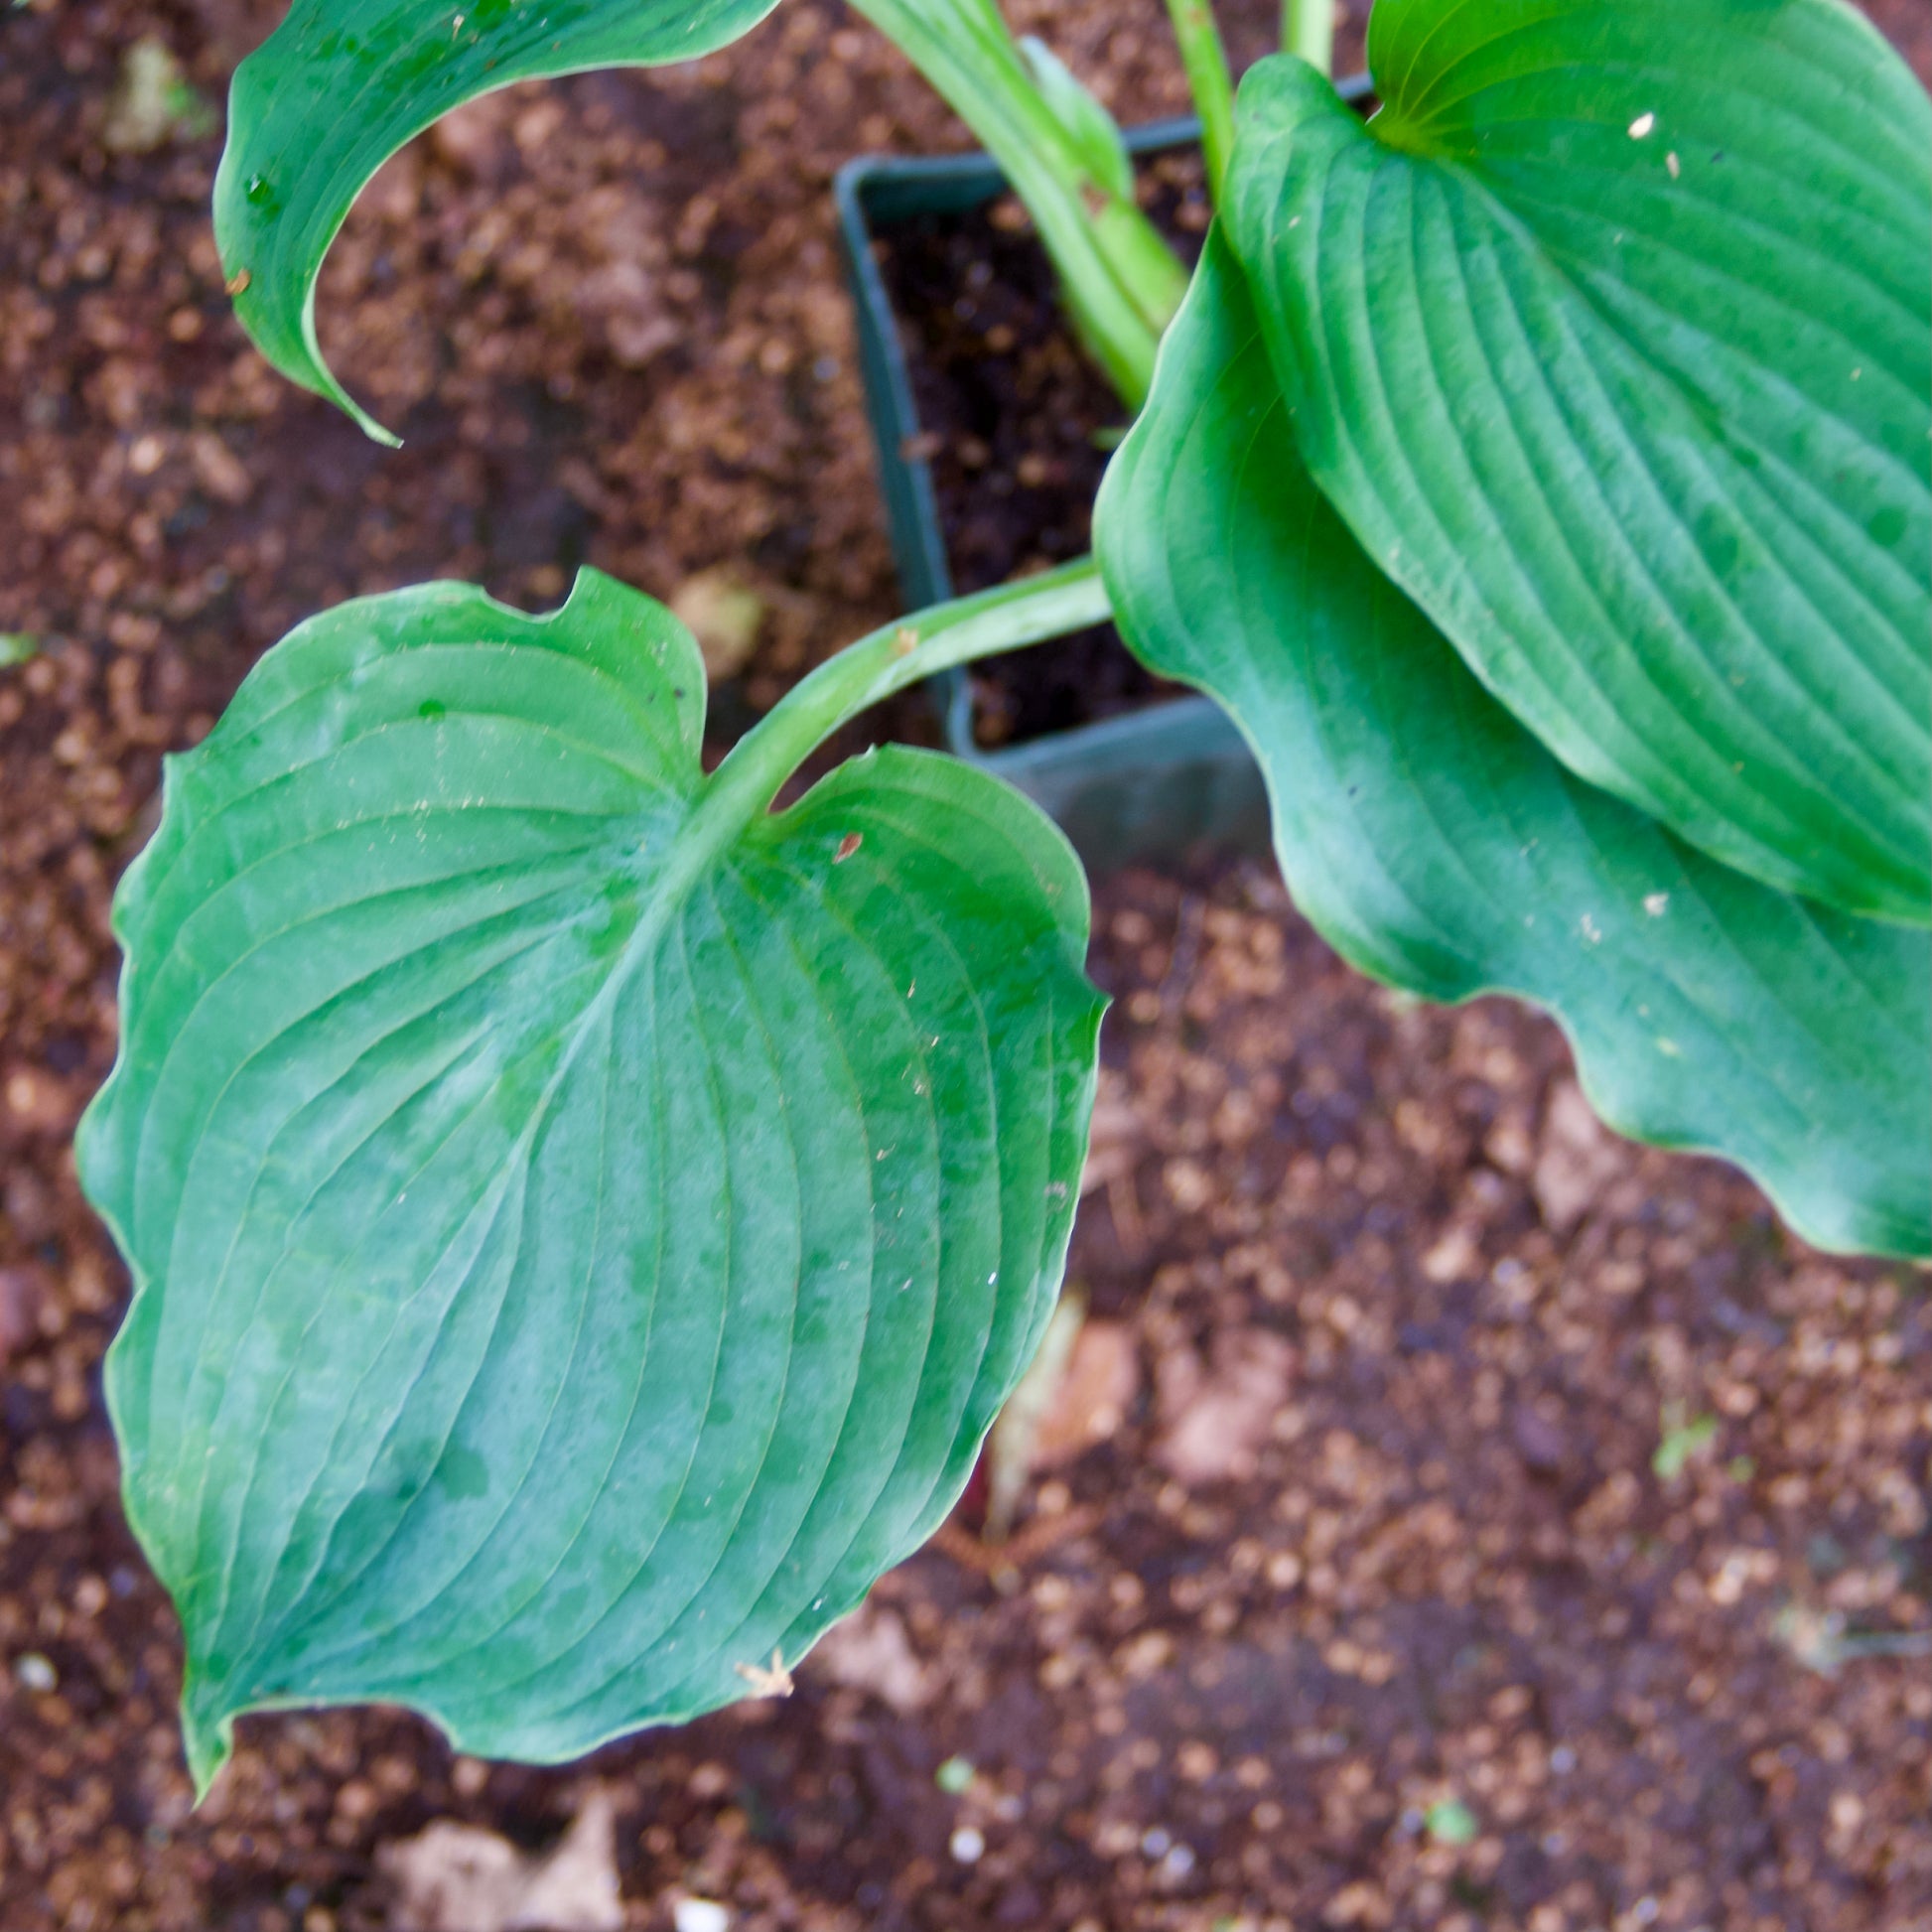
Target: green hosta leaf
342,84
1439,846
580,1235
1608,338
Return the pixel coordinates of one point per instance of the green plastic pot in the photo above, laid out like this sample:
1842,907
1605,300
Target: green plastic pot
1155,786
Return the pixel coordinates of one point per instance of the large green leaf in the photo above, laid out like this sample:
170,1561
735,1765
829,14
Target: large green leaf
342,84
580,1235
1609,339
1439,846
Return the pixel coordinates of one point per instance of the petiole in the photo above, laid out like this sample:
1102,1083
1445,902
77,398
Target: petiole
903,652
1308,28
1206,63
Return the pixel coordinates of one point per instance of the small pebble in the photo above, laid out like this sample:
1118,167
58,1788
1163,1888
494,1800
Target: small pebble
1178,1863
954,1776
700,1916
1562,1760
1451,1822
1155,1842
966,1844
35,1672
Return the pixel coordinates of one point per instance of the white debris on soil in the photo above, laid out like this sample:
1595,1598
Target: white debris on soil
453,1877
700,1916
1095,1394
1579,1159
1217,1416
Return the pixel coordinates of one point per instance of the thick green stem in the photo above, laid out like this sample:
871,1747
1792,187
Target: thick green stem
888,660
1123,282
1206,63
1308,28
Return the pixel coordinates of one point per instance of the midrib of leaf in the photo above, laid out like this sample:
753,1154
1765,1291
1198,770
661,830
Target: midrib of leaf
311,1612
500,1686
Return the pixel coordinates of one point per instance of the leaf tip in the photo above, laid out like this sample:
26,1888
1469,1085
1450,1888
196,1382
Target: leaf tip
207,1735
361,418
307,368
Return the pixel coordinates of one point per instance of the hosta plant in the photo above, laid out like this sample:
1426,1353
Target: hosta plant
583,1220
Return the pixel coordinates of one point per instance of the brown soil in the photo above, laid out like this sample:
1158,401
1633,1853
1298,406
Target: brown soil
1388,1340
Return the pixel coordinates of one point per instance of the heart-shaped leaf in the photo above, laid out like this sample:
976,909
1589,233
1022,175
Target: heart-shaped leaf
342,84
1608,338
582,1225
1439,846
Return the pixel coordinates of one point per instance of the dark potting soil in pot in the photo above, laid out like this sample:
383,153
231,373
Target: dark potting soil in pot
1017,424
